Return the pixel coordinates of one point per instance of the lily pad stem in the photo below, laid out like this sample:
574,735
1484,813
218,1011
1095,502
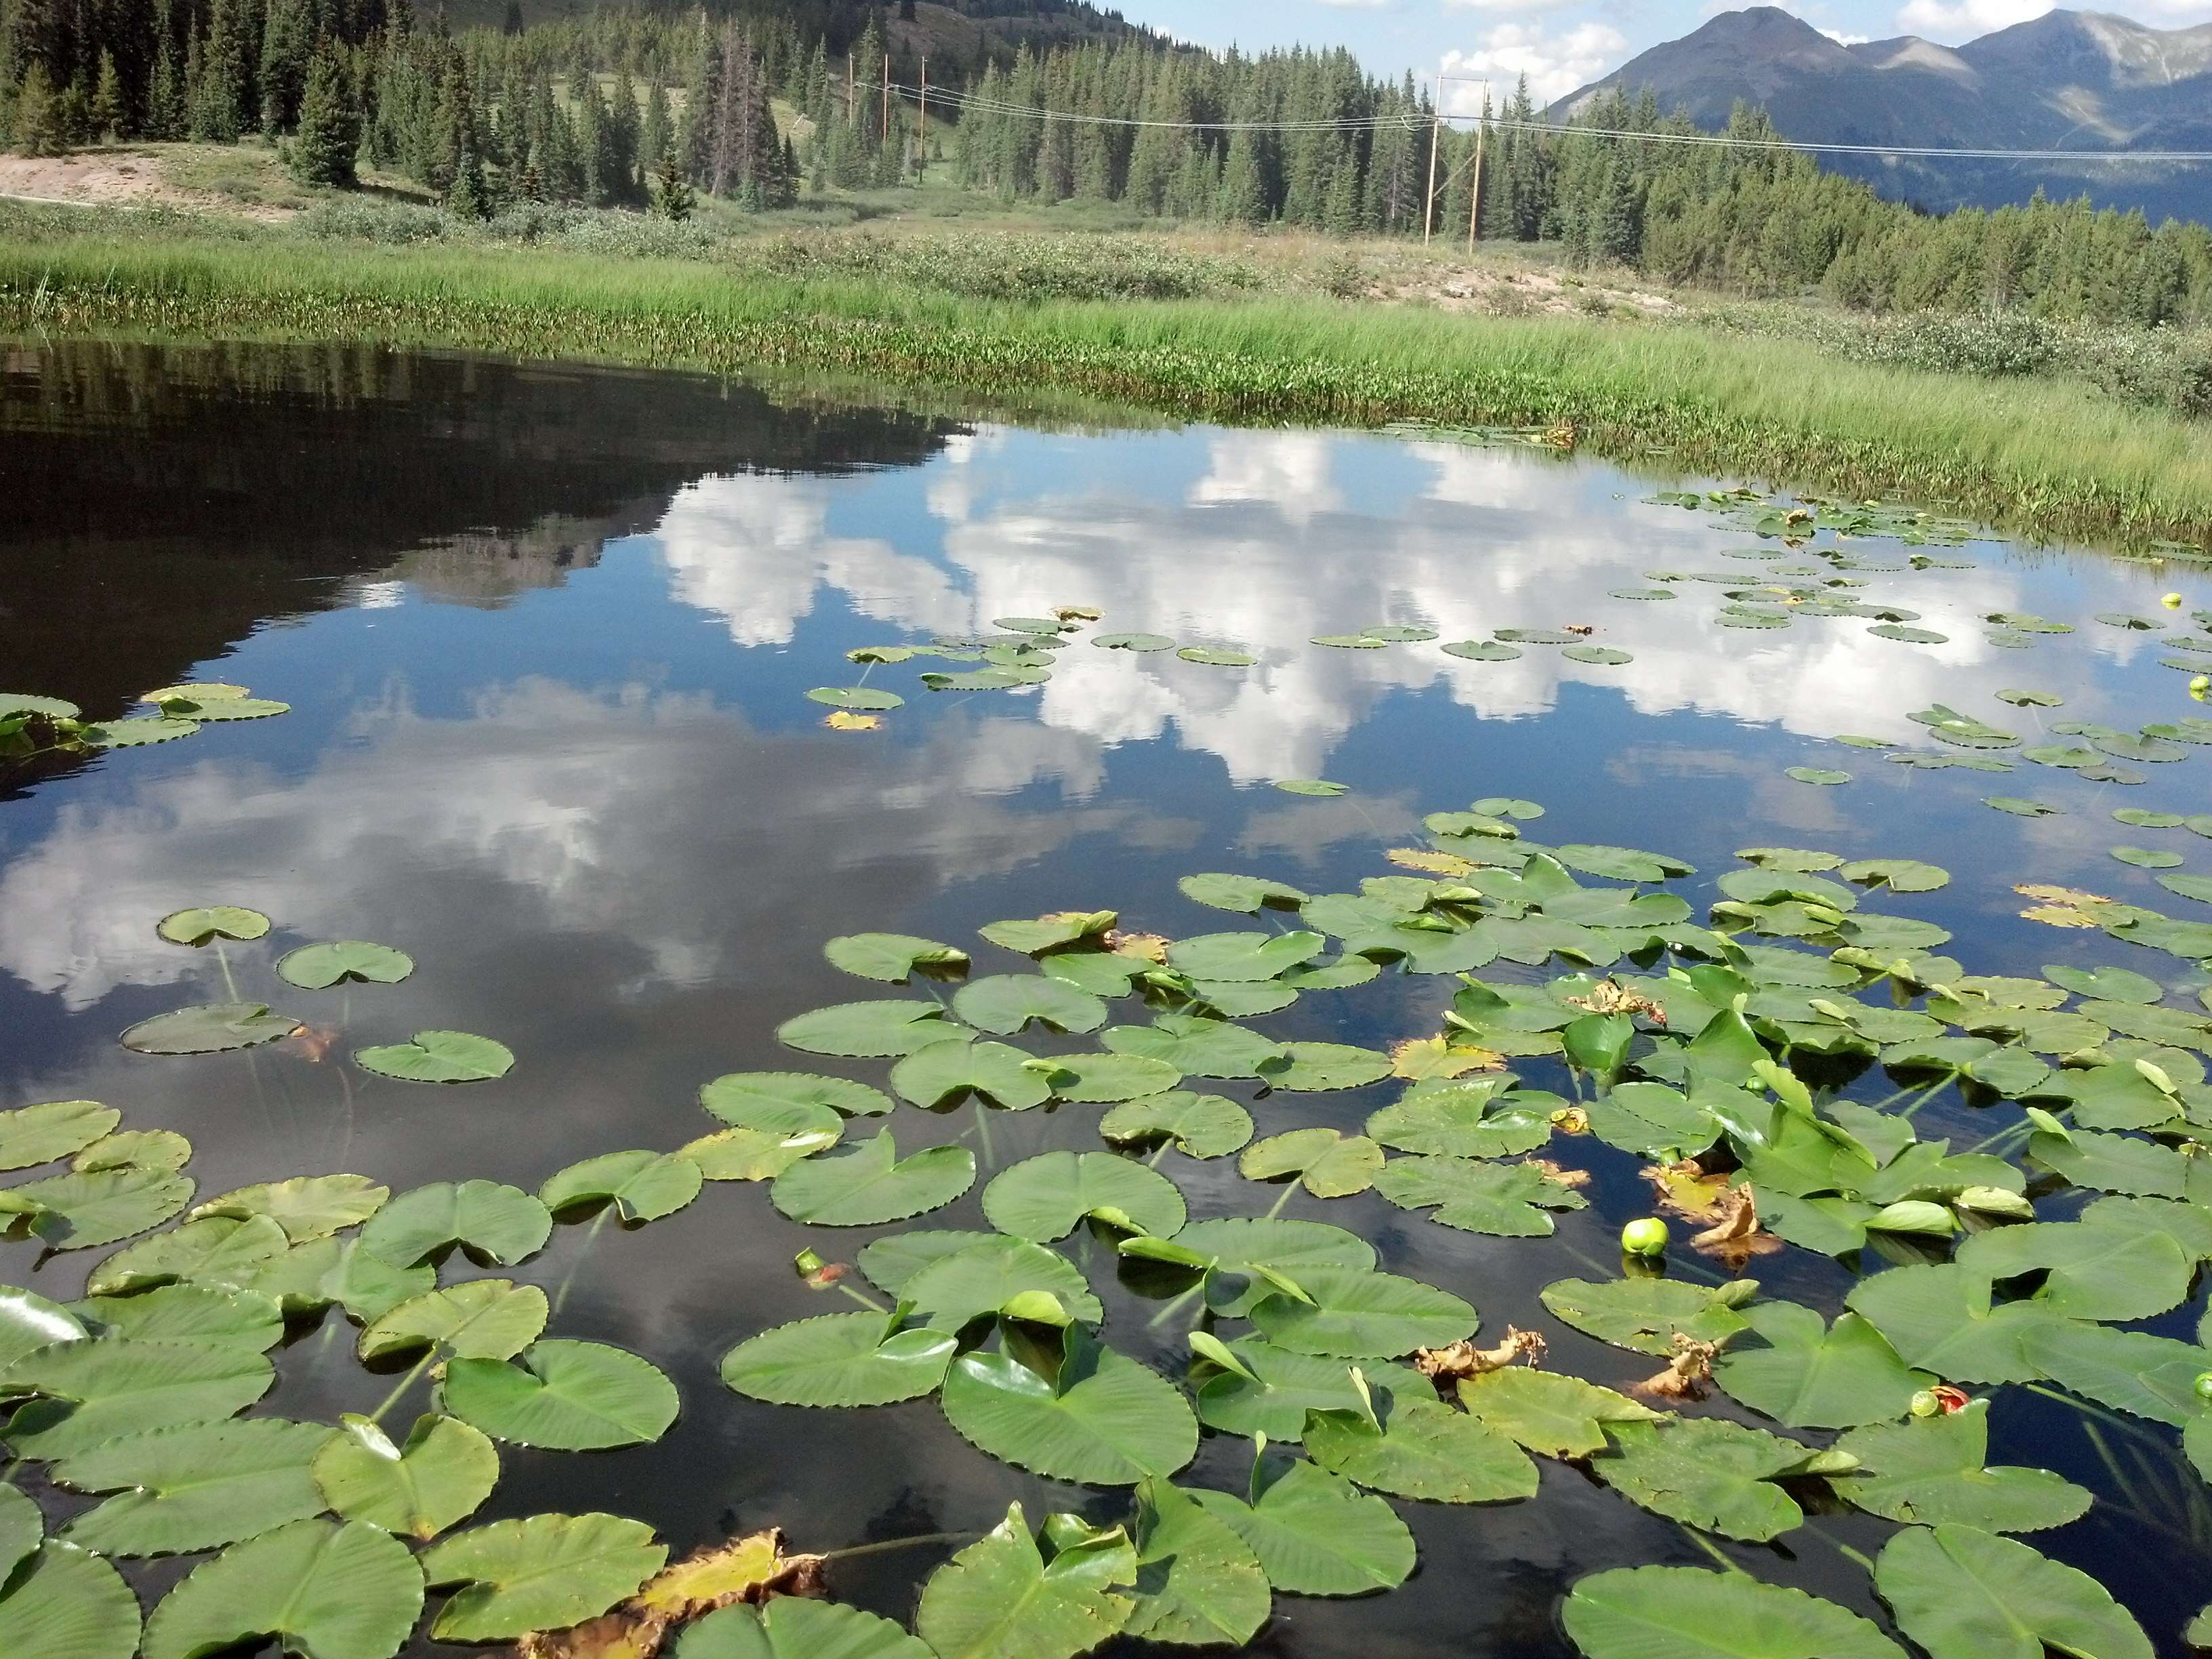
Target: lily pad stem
1289,1189
1711,1549
228,983
862,1298
1168,1312
591,1233
888,1544
405,1384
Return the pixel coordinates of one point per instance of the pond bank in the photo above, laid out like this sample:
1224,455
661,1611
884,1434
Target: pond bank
2052,460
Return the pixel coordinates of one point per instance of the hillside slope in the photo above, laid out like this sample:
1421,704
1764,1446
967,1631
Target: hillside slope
2068,80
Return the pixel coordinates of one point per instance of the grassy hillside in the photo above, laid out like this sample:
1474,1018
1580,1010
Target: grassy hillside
961,30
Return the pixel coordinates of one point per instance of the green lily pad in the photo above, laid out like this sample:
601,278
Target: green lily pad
194,1487
1483,650
867,1029
334,1590
794,1627
1098,1416
1939,1318
1810,1376
893,957
1133,642
488,1219
31,1135
1930,1471
542,1572
306,1208
642,1186
1198,1126
319,966
1707,1472
1004,1004
476,1319
114,1385
216,1251
1319,1067
1816,774
1049,933
1960,1593
1352,1313
192,1313
1266,1390
437,1478
79,1211
2021,807
209,1029
1475,1117
2144,858
1645,1315
439,1057
67,1603
1327,1163
1312,786
983,1273
1551,1414
1245,1260
1316,1533
1107,1079
29,1323
1001,1597
564,1396
1422,1449
1244,957
198,927
137,732
940,1074
839,1359
2089,1271
1248,895
856,697
1687,1613
741,1099
1198,1582
1506,1200
869,1183
1213,658
1047,1197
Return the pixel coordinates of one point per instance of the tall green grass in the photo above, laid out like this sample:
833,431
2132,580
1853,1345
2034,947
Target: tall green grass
2049,458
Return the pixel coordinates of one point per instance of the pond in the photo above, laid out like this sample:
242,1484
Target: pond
560,651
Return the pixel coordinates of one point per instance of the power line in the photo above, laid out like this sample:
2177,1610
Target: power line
1407,122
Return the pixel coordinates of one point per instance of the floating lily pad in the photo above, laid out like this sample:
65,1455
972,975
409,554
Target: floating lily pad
1485,650
1646,1315
66,1603
1506,1200
1213,658
137,731
1423,1450
209,1029
194,1487
198,926
1312,787
775,1100
319,966
642,1186
1140,642
1817,774
335,1589
1097,1417
1687,1613
1353,1313
1327,1163
31,1135
1246,894
867,1029
870,1184
542,1572
437,1479
1810,1376
1004,1004
1707,1472
893,957
1047,1197
564,1396
2019,808
488,1218
88,1393
1960,1593
1002,1596
1198,1126
476,1319
839,1359
1315,1534
76,1212
1930,1471
439,1057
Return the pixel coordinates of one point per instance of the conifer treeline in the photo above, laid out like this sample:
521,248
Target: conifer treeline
586,110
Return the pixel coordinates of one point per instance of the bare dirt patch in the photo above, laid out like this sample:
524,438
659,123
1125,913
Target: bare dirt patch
110,178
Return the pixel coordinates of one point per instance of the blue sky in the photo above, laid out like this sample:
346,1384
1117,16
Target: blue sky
1561,43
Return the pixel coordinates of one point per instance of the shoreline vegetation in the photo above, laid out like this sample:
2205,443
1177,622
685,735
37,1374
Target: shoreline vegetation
1168,326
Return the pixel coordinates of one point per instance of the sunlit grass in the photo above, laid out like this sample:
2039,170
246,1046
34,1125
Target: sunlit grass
2047,457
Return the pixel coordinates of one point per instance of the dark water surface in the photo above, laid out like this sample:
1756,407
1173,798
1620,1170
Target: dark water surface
546,633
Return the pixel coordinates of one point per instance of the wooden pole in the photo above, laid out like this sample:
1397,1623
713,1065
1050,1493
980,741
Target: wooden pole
887,94
852,92
921,144
1474,209
1436,136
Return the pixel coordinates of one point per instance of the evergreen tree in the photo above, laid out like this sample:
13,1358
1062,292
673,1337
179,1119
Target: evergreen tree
106,115
35,124
329,137
657,136
672,191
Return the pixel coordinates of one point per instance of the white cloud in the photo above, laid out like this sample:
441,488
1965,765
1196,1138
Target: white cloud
1951,22
1555,63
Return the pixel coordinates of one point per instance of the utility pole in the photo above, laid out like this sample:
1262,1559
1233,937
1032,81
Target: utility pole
1474,209
887,94
852,92
1436,136
921,144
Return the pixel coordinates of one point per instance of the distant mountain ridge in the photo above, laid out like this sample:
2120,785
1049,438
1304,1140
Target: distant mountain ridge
2069,80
